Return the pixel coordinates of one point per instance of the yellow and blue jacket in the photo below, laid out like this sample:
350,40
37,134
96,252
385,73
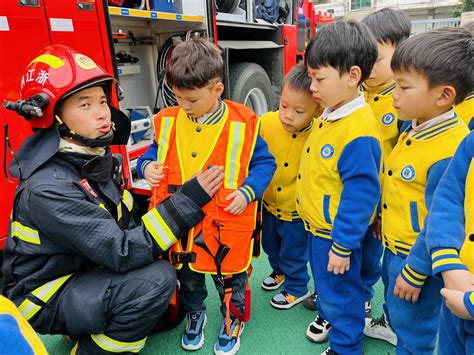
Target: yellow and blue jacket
412,174
16,334
465,110
338,184
381,102
450,232
286,147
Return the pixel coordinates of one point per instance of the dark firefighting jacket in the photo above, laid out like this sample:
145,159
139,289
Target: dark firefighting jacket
70,216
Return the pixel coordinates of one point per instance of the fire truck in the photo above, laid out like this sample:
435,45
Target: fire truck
133,40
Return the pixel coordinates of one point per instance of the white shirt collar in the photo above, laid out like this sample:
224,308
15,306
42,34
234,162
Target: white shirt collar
415,127
329,114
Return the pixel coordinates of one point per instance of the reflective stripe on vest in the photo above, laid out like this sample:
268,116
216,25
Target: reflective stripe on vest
158,229
115,346
164,138
234,151
25,233
127,199
28,308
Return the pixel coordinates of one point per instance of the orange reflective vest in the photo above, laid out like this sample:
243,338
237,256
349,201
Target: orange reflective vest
232,150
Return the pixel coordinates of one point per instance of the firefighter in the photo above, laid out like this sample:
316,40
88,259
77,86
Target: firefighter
76,262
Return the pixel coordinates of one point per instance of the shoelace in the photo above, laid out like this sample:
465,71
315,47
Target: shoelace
379,321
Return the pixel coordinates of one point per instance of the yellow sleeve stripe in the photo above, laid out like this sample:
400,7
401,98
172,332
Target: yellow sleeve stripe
158,229
442,262
246,192
414,273
443,252
24,233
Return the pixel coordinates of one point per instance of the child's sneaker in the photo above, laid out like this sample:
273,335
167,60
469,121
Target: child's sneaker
284,300
193,337
229,344
310,302
368,309
318,330
328,351
380,329
273,281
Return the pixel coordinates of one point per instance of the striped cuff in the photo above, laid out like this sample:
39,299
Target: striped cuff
248,193
446,259
469,302
412,277
144,165
339,250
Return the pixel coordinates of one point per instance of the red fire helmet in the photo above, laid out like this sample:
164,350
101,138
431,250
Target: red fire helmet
60,71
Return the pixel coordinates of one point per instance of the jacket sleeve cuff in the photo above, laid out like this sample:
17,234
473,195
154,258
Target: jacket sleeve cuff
194,191
469,302
339,250
446,259
143,166
412,277
248,193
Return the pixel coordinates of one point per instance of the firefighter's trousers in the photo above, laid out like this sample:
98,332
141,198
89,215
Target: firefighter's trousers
110,312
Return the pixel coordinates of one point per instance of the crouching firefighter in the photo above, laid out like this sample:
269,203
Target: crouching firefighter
75,262
203,132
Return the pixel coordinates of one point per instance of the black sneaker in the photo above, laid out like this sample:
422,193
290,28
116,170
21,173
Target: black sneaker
273,281
310,302
318,330
329,351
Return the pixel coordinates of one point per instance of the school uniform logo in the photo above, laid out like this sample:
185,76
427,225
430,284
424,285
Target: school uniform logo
408,173
388,119
327,151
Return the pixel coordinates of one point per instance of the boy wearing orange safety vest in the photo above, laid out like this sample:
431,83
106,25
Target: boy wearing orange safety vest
206,131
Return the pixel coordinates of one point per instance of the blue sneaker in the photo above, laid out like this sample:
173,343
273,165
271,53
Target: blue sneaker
193,337
229,344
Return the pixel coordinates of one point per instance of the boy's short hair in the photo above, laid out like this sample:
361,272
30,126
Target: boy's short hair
341,45
194,64
469,26
298,79
388,25
443,56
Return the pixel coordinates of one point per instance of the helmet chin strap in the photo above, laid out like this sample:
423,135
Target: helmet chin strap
101,141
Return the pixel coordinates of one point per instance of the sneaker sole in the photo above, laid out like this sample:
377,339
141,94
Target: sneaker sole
236,347
290,305
199,345
272,288
380,337
311,337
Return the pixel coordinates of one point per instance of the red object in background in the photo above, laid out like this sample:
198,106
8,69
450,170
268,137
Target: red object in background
116,2
322,18
290,42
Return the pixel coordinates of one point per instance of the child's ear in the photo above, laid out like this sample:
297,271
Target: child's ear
219,89
447,96
354,76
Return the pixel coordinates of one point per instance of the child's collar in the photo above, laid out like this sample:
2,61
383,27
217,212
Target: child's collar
330,114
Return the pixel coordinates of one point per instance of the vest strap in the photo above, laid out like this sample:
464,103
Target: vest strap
183,257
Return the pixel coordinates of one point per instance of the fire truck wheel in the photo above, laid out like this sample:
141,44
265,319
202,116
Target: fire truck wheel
250,85
227,6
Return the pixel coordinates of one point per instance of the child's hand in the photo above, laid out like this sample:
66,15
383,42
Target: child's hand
211,179
338,264
154,173
455,302
405,291
377,229
239,203
461,280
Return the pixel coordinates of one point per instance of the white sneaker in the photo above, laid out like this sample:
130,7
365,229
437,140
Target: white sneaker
318,330
380,329
368,309
328,351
